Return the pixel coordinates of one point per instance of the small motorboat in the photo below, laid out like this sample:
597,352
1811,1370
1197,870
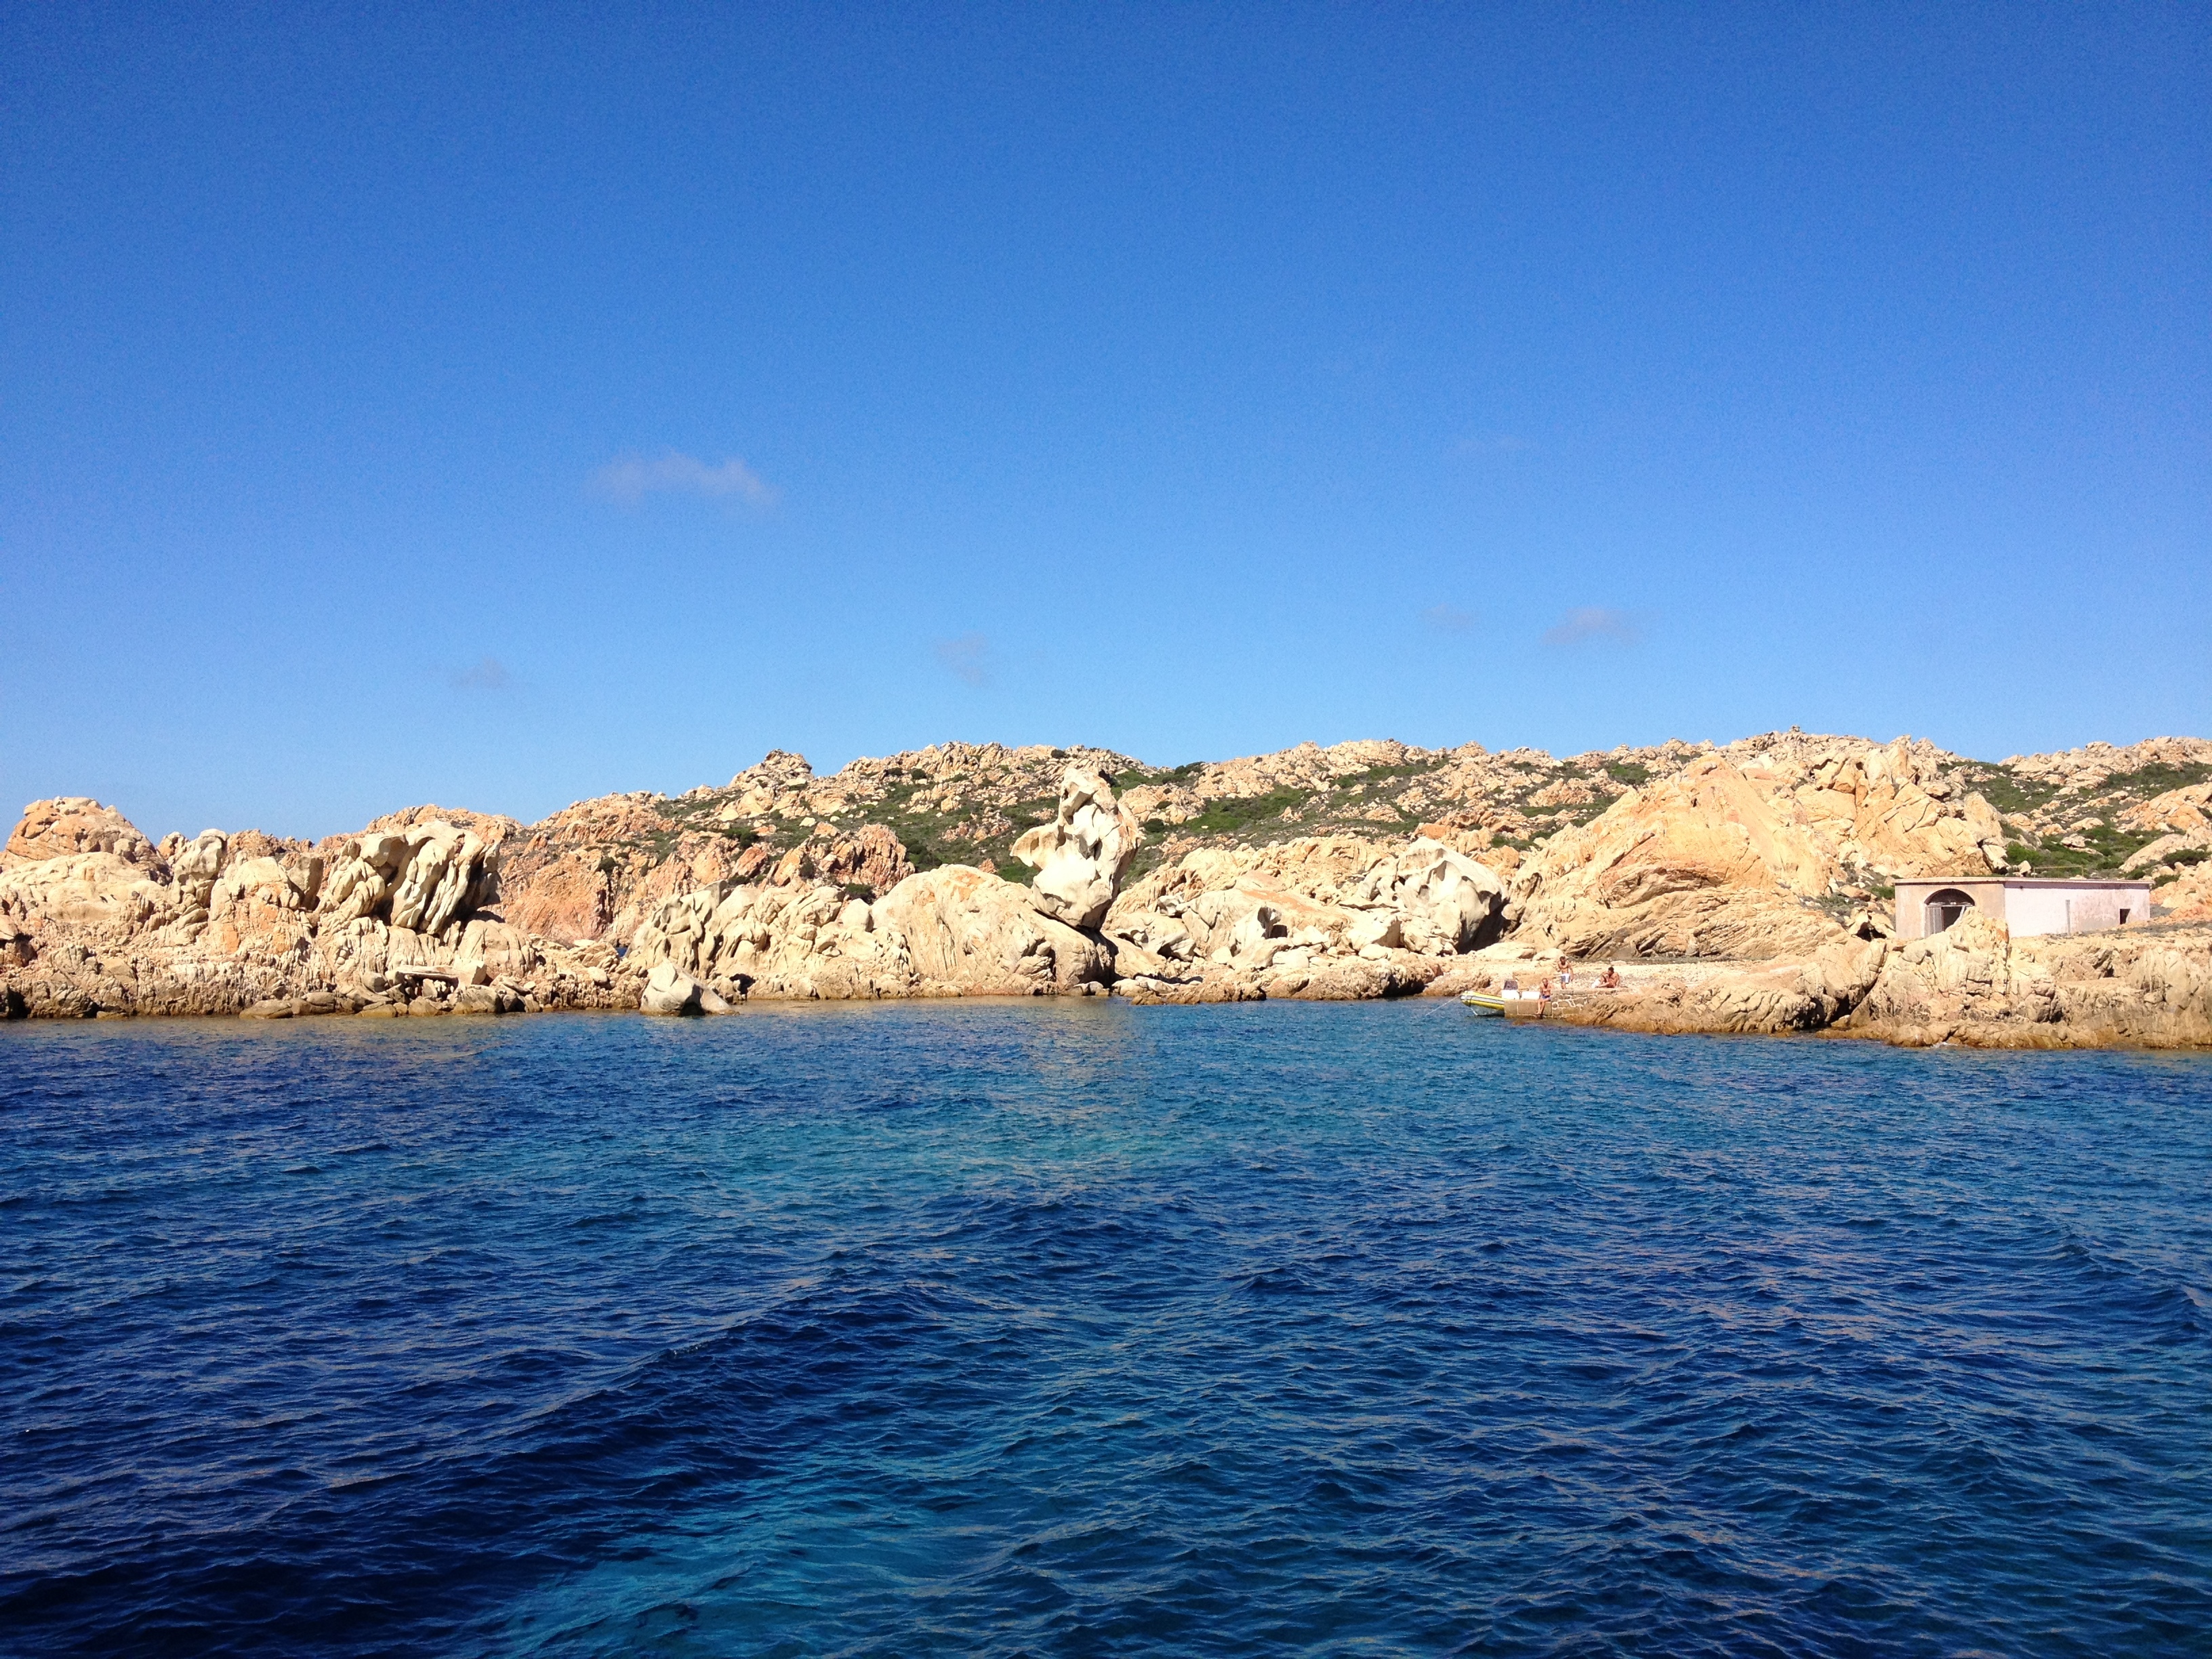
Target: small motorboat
1510,1001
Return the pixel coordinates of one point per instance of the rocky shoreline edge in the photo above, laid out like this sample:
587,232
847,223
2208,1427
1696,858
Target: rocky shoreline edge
1737,892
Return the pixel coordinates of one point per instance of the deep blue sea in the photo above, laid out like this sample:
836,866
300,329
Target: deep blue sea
1077,1329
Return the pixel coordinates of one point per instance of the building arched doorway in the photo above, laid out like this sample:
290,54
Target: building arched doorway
1945,906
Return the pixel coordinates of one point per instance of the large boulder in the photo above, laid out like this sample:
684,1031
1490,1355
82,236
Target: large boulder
1701,863
1081,855
967,930
98,896
194,865
668,991
1734,856
428,878
1441,901
1323,916
447,872
69,826
776,942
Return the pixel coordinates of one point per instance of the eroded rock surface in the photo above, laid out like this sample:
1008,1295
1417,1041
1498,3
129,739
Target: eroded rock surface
1731,857
1324,917
75,824
802,942
1744,887
1973,985
229,923
1081,854
970,932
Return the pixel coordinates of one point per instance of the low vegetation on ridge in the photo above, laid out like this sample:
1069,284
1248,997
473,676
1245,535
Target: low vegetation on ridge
2089,811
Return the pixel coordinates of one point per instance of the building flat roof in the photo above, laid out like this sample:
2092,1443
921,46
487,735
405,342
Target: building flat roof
2022,881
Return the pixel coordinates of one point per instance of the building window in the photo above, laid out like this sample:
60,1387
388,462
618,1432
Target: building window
1945,907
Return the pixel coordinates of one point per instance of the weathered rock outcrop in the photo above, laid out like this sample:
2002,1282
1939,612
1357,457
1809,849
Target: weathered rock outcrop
75,824
1718,875
786,942
968,932
804,929
1081,855
1975,984
1324,917
1787,996
2189,897
2075,770
1972,984
2180,823
427,878
225,924
597,869
869,859
1729,859
1698,864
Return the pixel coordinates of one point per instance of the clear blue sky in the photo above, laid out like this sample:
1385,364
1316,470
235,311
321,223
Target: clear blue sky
502,406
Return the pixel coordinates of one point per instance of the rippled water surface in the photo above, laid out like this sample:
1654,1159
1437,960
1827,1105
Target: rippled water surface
1080,1328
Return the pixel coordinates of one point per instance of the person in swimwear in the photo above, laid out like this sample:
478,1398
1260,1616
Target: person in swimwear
1610,979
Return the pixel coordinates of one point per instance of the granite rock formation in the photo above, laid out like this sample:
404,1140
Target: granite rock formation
1081,854
1746,886
1326,917
1973,985
1732,856
245,922
74,825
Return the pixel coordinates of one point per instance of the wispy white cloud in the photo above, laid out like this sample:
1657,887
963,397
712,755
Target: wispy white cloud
1591,623
485,674
631,478
1449,618
965,658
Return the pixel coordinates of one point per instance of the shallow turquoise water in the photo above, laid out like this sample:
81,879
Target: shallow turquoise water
1080,1328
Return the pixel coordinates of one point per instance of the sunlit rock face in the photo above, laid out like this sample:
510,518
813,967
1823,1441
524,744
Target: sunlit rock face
1746,885
1080,855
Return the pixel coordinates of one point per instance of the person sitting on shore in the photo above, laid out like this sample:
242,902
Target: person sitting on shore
1610,979
1544,991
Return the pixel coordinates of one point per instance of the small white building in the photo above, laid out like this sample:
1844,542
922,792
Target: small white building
2026,904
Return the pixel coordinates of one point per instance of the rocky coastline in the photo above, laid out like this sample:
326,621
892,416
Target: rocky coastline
1740,888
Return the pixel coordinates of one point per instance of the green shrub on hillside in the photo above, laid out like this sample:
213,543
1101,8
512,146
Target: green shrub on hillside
1233,813
2157,779
1137,778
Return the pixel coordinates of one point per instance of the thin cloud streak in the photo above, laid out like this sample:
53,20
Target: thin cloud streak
630,478
964,657
485,674
1593,622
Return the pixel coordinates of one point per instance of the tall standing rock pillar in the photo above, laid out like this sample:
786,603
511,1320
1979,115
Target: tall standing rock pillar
1081,855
